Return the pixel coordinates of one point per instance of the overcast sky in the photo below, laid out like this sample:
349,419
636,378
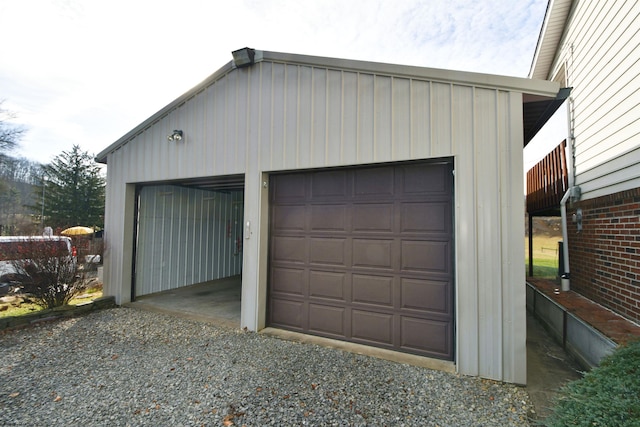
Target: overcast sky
85,72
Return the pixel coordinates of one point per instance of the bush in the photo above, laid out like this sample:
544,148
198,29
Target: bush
47,273
608,395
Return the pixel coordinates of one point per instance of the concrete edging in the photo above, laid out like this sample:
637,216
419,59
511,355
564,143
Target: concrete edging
586,344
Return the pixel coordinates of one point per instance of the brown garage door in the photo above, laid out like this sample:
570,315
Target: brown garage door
364,255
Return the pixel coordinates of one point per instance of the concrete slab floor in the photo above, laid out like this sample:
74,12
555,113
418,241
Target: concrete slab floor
549,367
218,301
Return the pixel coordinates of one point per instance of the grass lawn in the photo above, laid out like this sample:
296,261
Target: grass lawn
17,306
545,255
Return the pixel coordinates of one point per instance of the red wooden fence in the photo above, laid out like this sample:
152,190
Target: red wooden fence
548,181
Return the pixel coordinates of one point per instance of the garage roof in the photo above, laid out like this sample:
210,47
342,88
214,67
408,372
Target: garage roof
539,95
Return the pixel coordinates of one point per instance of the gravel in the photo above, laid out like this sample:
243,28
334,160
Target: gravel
128,367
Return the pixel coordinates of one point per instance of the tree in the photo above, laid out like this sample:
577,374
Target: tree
73,192
9,134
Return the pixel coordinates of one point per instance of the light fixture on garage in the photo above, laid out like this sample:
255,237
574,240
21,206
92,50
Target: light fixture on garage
176,135
244,57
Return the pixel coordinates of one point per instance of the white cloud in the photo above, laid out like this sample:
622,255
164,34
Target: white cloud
86,72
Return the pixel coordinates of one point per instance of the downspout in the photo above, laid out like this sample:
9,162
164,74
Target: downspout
564,280
573,193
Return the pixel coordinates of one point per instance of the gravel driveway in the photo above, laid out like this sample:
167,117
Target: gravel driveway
128,367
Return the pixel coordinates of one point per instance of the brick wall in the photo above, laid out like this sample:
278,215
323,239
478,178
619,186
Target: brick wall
605,257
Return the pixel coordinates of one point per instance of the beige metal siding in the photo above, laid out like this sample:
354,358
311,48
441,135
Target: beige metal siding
601,49
277,116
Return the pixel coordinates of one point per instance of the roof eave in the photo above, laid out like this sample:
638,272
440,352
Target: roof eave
550,37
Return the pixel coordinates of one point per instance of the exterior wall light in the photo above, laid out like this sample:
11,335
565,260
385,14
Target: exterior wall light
176,135
244,57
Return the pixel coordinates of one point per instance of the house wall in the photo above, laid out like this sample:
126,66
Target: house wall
598,58
599,54
278,115
605,255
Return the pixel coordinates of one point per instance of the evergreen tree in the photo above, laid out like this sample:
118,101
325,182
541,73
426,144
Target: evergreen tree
73,193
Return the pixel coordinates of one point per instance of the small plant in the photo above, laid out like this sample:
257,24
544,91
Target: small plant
46,272
608,395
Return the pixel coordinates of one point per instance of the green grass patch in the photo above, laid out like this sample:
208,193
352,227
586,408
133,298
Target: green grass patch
545,256
608,395
18,309
18,306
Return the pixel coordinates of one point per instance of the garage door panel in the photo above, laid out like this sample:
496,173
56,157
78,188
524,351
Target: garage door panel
369,289
426,336
330,251
374,182
288,280
329,184
427,256
372,327
433,217
290,188
366,256
418,180
426,295
289,218
289,249
327,284
372,253
369,217
328,218
287,313
327,319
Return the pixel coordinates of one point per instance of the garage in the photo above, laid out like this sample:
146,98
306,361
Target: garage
353,225
365,255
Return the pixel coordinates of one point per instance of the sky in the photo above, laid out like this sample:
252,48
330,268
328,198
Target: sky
85,72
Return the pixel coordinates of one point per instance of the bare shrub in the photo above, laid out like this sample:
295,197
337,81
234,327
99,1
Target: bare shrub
46,272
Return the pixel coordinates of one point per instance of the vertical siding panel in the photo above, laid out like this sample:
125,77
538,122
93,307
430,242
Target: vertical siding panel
265,116
192,236
319,122
210,130
466,263
231,124
335,117
401,116
365,118
383,148
420,119
441,119
210,233
350,118
513,285
156,153
305,119
489,235
222,124
196,134
278,106
242,121
291,117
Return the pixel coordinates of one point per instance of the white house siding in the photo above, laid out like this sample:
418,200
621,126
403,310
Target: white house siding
600,52
292,112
